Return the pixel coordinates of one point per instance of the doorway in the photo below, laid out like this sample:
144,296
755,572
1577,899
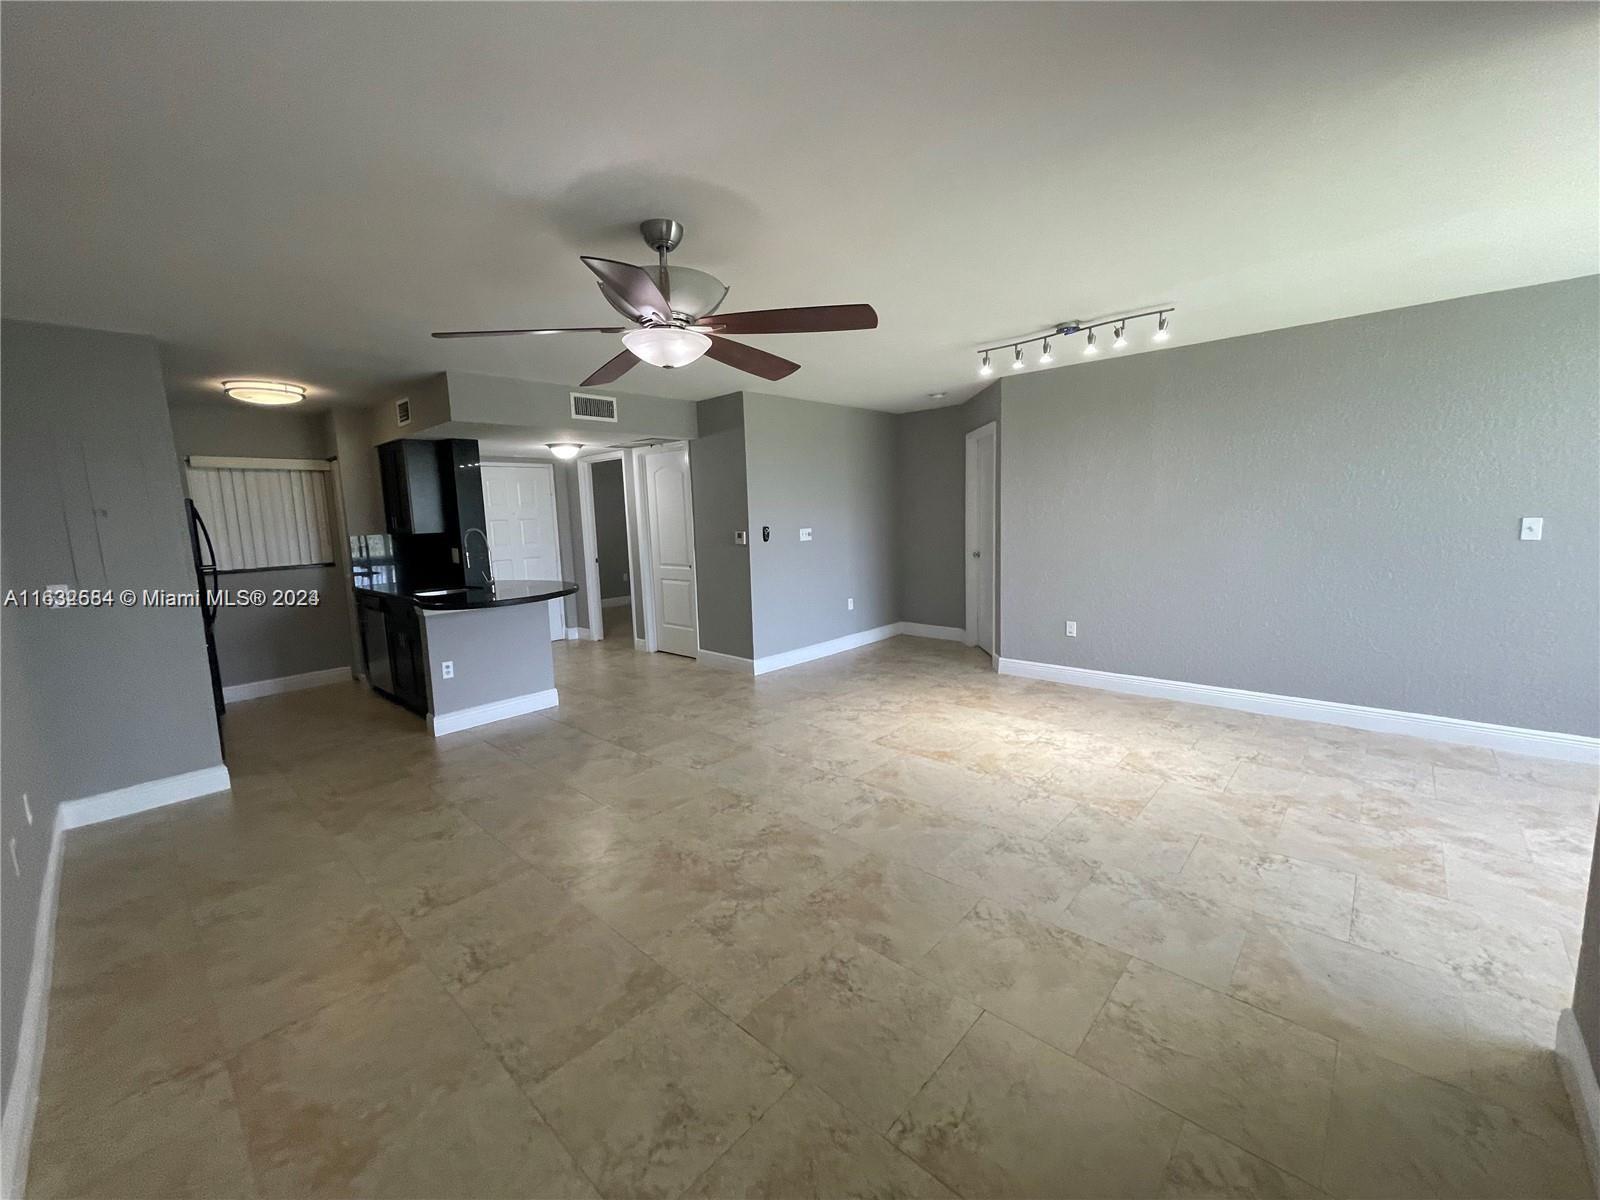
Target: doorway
610,552
519,509
666,551
981,538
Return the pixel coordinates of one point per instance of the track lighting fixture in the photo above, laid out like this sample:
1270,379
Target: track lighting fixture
1118,324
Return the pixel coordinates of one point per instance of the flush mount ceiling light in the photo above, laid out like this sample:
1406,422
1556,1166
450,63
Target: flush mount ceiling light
263,391
1117,323
565,451
666,345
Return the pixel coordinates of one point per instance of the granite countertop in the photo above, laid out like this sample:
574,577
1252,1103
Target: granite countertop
461,599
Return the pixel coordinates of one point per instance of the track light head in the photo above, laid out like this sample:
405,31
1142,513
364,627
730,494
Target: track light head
1161,334
1045,357
1089,347
1119,339
984,368
1016,362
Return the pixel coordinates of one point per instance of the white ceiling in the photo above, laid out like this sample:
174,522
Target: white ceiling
305,191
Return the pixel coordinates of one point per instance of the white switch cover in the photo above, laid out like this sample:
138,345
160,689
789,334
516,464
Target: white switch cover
1072,629
448,670
1532,529
850,604
805,535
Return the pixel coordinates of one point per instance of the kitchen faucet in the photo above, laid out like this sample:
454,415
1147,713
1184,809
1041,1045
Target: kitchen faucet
467,550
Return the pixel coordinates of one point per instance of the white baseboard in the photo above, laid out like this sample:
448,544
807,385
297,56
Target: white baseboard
16,1125
728,662
486,714
805,654
284,683
615,601
1577,1072
1534,742
141,797
945,633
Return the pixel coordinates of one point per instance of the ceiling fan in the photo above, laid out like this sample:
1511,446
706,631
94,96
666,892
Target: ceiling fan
672,314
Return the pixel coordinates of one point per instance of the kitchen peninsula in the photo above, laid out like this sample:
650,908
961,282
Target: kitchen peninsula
461,656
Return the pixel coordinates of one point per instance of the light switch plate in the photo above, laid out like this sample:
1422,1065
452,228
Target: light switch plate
1532,529
1072,629
741,537
805,535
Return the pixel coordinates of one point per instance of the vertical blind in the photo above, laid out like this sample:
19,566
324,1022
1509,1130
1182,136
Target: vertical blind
263,512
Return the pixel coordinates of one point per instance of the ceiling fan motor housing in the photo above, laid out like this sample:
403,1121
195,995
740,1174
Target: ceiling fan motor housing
661,234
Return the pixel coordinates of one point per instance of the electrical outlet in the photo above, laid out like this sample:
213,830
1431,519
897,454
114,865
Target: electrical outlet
805,535
448,670
1072,629
850,604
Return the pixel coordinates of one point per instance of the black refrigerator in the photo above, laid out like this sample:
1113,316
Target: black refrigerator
205,578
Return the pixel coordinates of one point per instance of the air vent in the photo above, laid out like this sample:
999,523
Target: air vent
593,408
402,411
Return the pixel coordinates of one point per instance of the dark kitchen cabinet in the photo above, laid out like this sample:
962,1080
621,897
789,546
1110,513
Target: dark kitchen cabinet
391,639
413,497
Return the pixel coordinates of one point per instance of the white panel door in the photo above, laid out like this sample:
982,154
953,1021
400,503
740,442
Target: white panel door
519,508
981,537
666,475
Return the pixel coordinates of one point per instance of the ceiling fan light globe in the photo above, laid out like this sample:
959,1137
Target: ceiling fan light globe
666,346
565,451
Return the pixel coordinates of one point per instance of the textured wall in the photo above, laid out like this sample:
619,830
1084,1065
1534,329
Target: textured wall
830,468
499,654
270,643
1329,511
930,508
93,699
717,472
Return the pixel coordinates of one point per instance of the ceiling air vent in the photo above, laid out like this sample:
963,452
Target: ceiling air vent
402,411
593,408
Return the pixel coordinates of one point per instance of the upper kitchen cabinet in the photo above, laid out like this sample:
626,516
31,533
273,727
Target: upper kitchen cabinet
413,498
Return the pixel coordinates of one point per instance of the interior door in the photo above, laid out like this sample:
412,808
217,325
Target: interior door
981,538
671,506
519,509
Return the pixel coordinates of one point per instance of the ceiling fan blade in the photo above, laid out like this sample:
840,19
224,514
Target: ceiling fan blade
613,368
821,318
748,358
632,284
455,333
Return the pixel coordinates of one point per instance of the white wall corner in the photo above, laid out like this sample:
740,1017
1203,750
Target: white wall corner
1536,743
285,683
487,714
16,1124
945,633
1577,1072
141,797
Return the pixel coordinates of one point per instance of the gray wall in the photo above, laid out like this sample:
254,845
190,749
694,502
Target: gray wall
830,468
499,654
92,699
611,529
718,475
930,508
496,400
1586,992
1329,511
270,643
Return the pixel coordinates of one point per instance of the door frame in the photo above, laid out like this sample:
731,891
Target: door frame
990,430
558,611
647,567
590,539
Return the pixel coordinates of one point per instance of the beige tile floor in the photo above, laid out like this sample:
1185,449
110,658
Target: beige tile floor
884,925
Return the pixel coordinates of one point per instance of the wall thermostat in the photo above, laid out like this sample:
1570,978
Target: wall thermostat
741,538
